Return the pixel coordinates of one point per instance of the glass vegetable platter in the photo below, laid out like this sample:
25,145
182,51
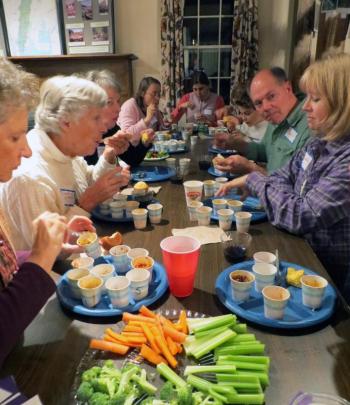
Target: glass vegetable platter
297,316
95,357
157,288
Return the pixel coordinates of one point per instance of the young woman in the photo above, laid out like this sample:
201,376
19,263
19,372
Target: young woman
142,111
201,104
310,196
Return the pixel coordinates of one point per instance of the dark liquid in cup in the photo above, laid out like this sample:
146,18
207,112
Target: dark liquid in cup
204,164
234,253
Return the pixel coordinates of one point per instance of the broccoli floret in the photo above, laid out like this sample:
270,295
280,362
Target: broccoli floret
91,374
118,399
125,378
98,398
145,386
84,392
197,398
184,395
148,401
167,392
108,364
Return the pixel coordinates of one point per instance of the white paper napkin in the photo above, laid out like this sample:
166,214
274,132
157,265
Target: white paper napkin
205,234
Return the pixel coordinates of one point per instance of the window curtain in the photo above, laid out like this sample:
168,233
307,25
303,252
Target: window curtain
244,61
172,56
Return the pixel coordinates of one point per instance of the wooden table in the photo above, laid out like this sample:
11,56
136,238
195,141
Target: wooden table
314,360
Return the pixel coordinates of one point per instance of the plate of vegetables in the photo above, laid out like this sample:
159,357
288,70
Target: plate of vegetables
173,357
152,156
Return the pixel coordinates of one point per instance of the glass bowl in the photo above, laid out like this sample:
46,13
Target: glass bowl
235,245
311,398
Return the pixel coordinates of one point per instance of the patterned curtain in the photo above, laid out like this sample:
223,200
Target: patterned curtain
244,61
172,57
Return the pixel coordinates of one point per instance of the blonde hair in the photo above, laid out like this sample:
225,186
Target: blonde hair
66,98
17,88
104,78
330,77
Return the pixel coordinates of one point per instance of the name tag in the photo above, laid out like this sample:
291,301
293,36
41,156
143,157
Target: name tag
306,161
68,197
208,111
291,134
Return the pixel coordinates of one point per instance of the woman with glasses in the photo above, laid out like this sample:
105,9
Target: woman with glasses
201,104
141,112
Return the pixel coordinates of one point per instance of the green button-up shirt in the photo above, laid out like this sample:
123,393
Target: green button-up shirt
281,141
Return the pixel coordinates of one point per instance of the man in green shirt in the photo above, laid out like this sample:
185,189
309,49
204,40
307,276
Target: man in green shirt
286,133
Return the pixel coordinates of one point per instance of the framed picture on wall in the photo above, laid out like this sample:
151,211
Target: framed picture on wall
88,26
31,27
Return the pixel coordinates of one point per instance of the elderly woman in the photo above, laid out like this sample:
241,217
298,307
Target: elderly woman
69,125
130,154
141,112
24,288
201,104
310,196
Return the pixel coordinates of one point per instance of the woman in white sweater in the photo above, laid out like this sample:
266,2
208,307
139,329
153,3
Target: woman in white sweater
69,125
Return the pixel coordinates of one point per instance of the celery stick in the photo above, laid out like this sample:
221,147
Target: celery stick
191,322
251,399
240,328
263,377
212,343
192,342
237,378
240,349
170,375
249,359
245,337
244,365
205,333
243,386
209,369
249,342
218,396
204,385
216,323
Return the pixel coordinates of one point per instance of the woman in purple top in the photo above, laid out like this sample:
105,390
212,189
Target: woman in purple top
310,196
24,288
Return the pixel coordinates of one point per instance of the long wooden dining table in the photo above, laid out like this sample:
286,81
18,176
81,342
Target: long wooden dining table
309,360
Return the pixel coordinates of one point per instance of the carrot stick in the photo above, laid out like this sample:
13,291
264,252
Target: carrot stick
165,321
165,350
109,338
127,334
183,321
140,318
132,328
147,312
137,339
116,335
151,356
150,337
172,346
179,347
108,346
174,334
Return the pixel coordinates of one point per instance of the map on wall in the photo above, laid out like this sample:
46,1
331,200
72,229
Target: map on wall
32,27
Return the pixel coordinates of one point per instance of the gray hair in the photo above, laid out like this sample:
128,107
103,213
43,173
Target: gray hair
66,98
17,88
104,78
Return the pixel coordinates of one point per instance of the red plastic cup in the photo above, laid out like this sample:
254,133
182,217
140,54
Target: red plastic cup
180,258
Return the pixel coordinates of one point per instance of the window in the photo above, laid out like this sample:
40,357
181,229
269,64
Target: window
207,37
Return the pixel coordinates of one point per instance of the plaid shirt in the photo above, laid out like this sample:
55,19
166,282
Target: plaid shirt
310,196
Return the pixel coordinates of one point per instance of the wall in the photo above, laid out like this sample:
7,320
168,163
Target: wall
275,19
138,32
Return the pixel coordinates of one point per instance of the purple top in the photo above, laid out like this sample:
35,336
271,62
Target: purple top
310,196
20,302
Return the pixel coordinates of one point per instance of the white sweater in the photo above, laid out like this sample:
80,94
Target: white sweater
37,186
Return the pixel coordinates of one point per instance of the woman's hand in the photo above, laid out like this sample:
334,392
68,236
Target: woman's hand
236,164
104,188
236,183
80,224
148,136
116,145
50,231
151,111
187,104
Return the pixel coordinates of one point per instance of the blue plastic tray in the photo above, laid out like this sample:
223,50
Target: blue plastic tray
157,288
297,316
251,204
152,173
224,152
228,175
96,212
